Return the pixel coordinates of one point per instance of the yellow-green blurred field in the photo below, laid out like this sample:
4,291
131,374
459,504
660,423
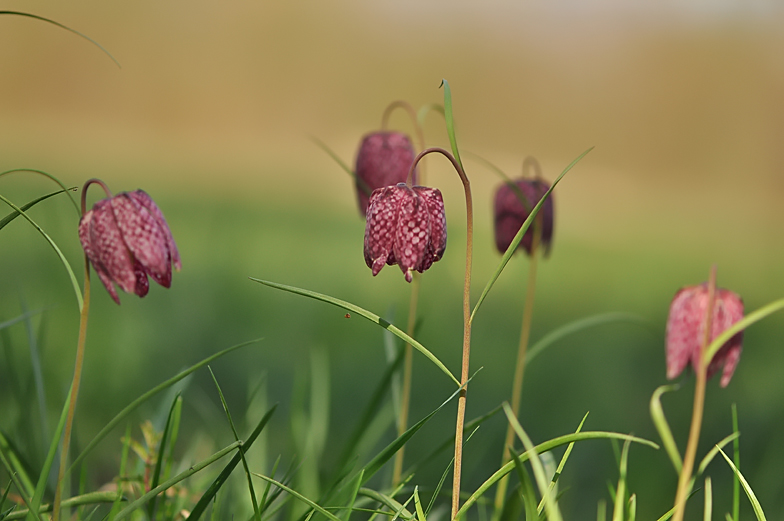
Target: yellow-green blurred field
212,113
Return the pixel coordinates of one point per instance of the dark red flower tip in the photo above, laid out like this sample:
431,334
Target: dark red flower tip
126,238
384,159
686,328
405,226
510,213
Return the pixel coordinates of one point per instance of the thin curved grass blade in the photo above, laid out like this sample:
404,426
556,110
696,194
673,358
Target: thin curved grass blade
149,394
424,110
544,447
580,325
739,326
714,451
156,475
663,427
519,237
450,122
210,493
13,215
299,496
19,466
363,313
708,510
20,318
360,182
60,255
193,469
620,490
736,458
561,465
58,24
755,504
398,508
91,498
52,178
17,483
526,489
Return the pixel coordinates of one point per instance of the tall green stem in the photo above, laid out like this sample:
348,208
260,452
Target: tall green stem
699,404
405,395
517,382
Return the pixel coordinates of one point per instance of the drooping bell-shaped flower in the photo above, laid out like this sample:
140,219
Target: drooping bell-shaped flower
384,159
126,238
510,213
405,226
686,329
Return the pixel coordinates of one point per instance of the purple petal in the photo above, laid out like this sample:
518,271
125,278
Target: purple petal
141,197
144,237
412,235
112,254
683,330
437,244
382,217
384,159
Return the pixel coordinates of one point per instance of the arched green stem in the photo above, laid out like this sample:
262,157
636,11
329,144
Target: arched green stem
77,377
529,163
412,114
517,382
461,402
699,403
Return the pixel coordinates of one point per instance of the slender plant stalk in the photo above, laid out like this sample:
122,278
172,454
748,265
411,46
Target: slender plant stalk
517,382
411,112
405,395
77,378
699,404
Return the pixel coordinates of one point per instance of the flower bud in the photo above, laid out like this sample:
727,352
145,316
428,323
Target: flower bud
510,213
405,226
686,330
126,238
384,159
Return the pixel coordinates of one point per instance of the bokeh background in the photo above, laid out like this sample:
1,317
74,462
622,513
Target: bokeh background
212,113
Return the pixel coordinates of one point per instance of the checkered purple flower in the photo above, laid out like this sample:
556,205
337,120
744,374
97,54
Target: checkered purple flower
686,328
511,213
405,226
384,159
126,238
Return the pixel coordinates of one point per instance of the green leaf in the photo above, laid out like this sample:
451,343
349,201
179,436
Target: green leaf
524,228
213,489
660,421
53,178
708,510
13,215
299,496
91,498
544,447
577,326
156,475
450,122
526,489
418,505
121,476
739,326
363,313
391,503
149,394
755,504
561,465
58,24
60,255
620,490
19,486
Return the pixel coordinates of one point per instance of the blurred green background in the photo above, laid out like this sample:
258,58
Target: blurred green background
211,114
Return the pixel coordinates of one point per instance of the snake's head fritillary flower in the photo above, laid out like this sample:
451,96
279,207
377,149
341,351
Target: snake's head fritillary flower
384,159
405,226
686,329
510,213
126,238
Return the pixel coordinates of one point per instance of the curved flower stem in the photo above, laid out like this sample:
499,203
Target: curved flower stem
517,382
411,112
530,162
699,403
405,395
77,377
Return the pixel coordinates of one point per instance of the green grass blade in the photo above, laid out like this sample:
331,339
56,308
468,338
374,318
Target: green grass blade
193,469
632,508
399,509
561,465
53,178
663,428
424,110
450,122
708,510
204,502
418,505
58,24
60,255
601,511
256,514
156,474
13,215
355,485
358,180
91,498
544,447
40,487
175,431
376,463
620,490
550,506
577,326
299,496
736,458
4,497
121,476
363,313
17,483
149,394
18,466
372,408
714,451
444,475
755,504
740,325
23,316
267,486
519,237
526,489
